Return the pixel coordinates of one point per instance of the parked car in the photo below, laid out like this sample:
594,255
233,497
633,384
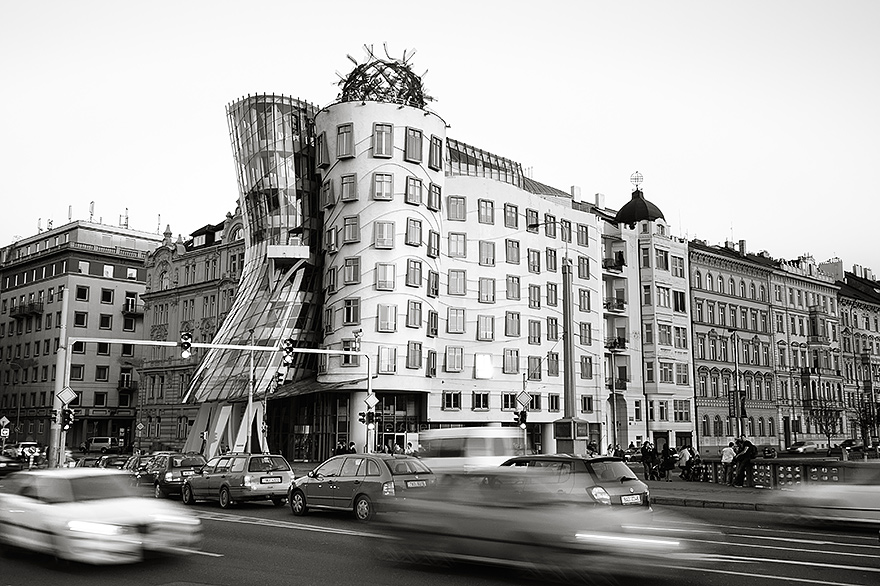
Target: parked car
24,450
233,478
105,445
362,483
848,446
802,448
603,480
112,461
515,517
165,473
9,465
87,462
90,515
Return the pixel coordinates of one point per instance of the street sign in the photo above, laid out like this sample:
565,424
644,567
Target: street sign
66,395
140,426
523,398
4,432
371,401
3,421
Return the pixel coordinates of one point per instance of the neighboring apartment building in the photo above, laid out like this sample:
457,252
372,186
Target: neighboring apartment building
735,386
190,288
859,302
100,270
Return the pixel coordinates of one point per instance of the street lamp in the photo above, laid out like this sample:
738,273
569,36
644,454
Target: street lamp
16,366
734,408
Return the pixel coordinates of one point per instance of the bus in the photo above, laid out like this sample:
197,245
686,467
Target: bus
462,449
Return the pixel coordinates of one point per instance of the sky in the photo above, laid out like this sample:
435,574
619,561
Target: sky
749,120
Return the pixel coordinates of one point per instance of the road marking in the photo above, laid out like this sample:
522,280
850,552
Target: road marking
286,524
200,552
799,549
786,579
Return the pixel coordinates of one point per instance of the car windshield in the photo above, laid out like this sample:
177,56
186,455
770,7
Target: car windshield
187,461
55,490
611,470
408,466
268,464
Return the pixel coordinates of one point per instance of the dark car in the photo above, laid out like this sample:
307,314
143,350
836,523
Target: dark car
848,445
87,462
362,483
604,480
165,473
112,461
236,477
8,465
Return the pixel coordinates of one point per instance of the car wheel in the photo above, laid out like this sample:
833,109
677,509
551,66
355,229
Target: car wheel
158,492
225,498
278,501
298,504
186,494
363,508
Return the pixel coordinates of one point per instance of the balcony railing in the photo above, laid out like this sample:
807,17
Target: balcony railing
132,307
128,385
615,343
618,384
615,263
25,309
615,304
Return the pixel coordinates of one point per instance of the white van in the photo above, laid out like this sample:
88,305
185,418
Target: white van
462,449
105,445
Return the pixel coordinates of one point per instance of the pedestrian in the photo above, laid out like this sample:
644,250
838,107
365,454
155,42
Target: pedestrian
351,448
667,462
727,466
409,449
650,461
684,458
743,459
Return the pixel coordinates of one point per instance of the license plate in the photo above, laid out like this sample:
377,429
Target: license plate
416,484
631,499
270,480
188,472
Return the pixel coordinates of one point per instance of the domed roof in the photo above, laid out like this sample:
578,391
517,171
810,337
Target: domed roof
638,209
383,80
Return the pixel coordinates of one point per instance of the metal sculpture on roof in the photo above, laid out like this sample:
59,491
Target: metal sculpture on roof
387,80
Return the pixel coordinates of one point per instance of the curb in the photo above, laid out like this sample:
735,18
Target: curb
708,504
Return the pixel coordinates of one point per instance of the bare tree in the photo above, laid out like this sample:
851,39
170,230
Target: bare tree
826,415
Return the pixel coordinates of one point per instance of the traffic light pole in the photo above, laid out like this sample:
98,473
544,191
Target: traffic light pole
58,437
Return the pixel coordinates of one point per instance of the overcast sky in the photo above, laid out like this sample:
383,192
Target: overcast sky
756,121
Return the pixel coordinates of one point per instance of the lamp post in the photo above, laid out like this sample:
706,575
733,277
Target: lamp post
735,409
16,366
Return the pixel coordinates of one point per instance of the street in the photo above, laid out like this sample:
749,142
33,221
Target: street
261,544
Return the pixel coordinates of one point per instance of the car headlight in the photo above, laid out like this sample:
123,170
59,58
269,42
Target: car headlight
169,476
97,528
600,495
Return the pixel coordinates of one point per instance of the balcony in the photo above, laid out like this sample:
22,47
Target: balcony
615,263
132,308
615,304
617,384
26,309
615,344
126,385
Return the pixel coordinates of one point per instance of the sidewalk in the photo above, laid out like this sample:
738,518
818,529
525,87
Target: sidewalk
682,493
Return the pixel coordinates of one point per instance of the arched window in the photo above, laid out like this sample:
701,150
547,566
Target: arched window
720,284
771,429
704,424
732,286
710,284
729,426
742,289
698,280
752,291
718,426
163,281
702,387
761,426
750,431
763,293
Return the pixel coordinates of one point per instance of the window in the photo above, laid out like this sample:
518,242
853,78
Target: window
433,323
387,360
383,140
383,186
666,372
413,354
344,141
351,229
487,253
682,376
679,302
457,244
76,371
435,156
662,296
384,237
385,273
585,332
386,318
351,270
80,319
535,296
586,367
662,259
512,251
534,372
414,272
480,401
328,195
553,367
584,300
451,400
511,217
551,259
487,290
107,296
486,211
586,404
457,208
82,293
433,284
583,267
349,188
534,261
677,266
552,295
414,314
513,288
511,324
413,191
322,154
413,148
413,232
434,197
485,328
532,221
102,373
457,282
351,311
455,320
583,235
105,322
454,358
534,331
330,240
552,328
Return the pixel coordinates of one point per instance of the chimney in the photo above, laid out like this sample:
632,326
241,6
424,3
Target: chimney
742,247
600,200
575,193
869,274
857,271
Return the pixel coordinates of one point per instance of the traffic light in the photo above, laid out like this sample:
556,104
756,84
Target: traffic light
279,378
287,347
186,339
362,417
523,417
371,418
516,418
66,419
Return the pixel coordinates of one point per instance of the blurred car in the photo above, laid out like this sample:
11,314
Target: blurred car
604,480
9,465
233,478
90,515
105,445
846,504
165,473
116,462
361,483
848,446
24,450
517,518
802,448
87,462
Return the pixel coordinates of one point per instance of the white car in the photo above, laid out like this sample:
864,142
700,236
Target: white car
845,504
91,515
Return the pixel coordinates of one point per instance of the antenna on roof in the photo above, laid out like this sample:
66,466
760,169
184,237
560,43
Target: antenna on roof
39,225
123,220
48,224
69,213
91,210
159,224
